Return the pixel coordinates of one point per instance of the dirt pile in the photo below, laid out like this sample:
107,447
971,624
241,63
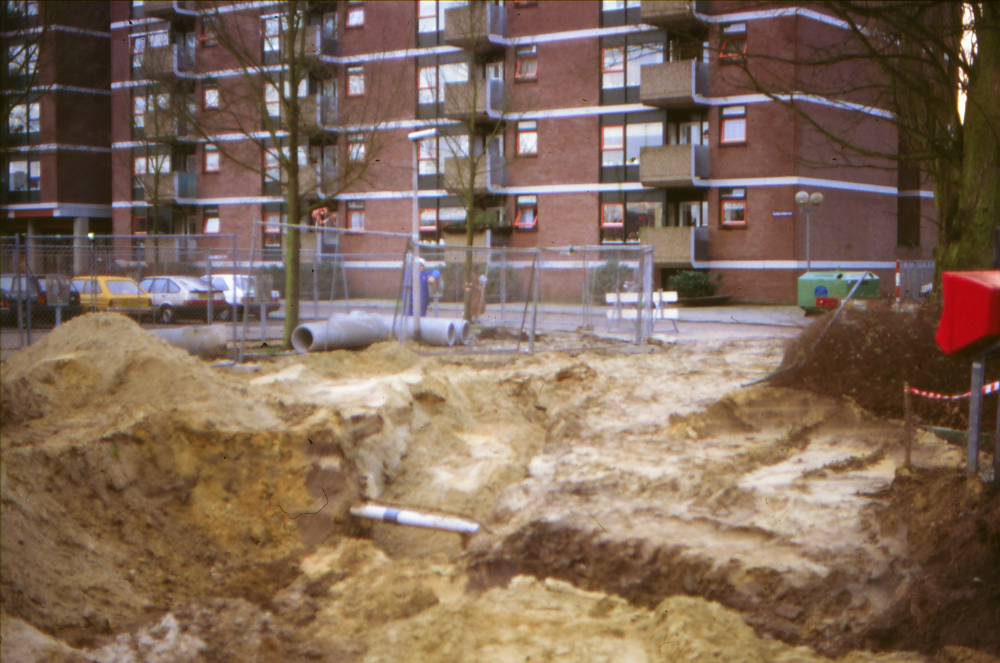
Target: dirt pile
868,355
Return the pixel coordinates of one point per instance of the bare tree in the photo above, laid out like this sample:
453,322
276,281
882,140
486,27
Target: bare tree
283,104
916,60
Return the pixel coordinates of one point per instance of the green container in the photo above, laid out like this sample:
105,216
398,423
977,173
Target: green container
835,285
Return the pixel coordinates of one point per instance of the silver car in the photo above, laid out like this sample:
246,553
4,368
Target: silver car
177,297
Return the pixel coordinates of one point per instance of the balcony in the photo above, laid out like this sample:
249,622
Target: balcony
315,181
681,16
163,128
317,113
670,166
318,42
166,62
169,187
491,173
169,10
486,96
676,246
479,27
680,84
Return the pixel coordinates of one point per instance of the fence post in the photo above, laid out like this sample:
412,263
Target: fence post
316,277
534,298
503,284
975,413
908,429
20,293
237,348
208,271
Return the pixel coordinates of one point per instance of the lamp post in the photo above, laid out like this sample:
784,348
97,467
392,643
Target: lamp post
415,138
809,203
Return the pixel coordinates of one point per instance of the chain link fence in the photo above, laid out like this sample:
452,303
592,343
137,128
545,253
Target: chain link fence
511,296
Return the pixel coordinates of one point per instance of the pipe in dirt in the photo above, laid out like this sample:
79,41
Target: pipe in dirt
207,341
359,330
389,514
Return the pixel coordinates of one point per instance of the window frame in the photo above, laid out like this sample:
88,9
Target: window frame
355,210
620,148
207,88
209,216
524,55
356,73
732,33
135,224
738,114
620,224
523,130
433,87
420,219
355,9
356,149
735,199
427,23
521,204
208,151
425,156
271,231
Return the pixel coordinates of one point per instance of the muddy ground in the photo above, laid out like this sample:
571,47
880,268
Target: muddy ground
636,506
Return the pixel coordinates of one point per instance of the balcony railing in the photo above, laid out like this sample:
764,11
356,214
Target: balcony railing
673,165
164,128
168,187
315,181
317,112
486,97
477,26
167,61
674,84
674,246
490,174
671,15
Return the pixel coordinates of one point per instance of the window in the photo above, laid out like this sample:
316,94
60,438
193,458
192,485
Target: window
733,212
613,67
356,147
355,14
142,43
613,145
355,81
272,229
690,214
617,5
428,219
154,163
272,100
211,226
640,135
638,55
356,214
24,175
450,216
272,34
527,63
457,72
138,225
427,16
612,222
208,36
22,59
692,133
733,42
138,48
734,124
139,112
210,95
272,165
427,157
25,118
527,138
527,213
427,85
211,159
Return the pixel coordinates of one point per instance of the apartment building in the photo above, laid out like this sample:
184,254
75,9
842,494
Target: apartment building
589,123
56,138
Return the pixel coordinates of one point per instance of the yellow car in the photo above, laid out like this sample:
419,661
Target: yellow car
119,294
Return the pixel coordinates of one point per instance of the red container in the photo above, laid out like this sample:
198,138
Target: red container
970,319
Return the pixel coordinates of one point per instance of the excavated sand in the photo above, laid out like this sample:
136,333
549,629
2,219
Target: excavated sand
636,507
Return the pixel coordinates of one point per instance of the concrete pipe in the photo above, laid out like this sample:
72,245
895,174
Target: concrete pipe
434,331
415,518
354,331
209,342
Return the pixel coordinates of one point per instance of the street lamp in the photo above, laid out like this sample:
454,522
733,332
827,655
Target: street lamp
808,203
415,138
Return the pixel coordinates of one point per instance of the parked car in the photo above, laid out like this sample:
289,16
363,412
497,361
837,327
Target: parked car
119,294
234,286
43,306
184,297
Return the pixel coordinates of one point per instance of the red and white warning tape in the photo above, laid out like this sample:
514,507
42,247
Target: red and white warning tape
987,389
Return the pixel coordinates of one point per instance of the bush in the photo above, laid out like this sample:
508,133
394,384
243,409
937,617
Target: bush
694,284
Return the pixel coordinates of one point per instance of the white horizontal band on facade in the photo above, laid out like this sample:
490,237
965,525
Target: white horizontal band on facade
69,29
54,147
64,209
71,88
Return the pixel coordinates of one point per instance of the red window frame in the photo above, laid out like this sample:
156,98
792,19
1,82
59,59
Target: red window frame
605,206
211,216
613,69
732,202
137,222
355,9
526,54
527,130
355,73
733,42
520,224
204,96
272,230
210,149
422,86
427,156
724,120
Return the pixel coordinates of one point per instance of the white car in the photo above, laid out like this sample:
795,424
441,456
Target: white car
184,297
233,286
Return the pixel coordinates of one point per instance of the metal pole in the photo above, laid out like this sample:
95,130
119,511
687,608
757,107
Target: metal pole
208,271
316,275
808,258
975,412
534,305
996,441
20,290
908,430
415,256
237,348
